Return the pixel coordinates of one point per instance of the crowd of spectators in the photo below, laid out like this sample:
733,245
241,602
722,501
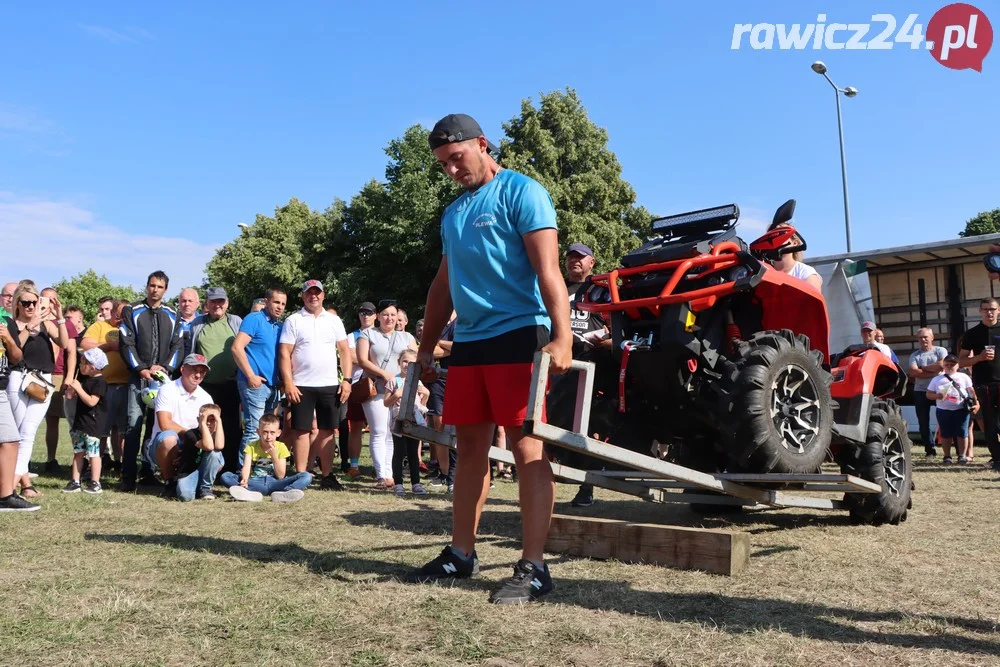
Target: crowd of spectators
190,397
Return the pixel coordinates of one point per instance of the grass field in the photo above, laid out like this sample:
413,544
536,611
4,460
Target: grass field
133,580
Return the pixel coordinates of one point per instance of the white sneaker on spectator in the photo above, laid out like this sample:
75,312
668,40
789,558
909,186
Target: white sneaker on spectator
399,490
246,495
420,490
289,496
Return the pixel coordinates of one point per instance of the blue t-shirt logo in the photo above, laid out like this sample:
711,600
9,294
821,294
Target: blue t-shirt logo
493,286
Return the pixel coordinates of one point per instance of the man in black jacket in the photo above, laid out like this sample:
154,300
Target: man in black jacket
149,341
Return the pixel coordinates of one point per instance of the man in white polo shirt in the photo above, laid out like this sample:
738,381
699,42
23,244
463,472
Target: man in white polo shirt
308,349
177,406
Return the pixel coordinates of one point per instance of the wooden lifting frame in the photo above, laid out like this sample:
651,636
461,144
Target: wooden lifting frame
649,478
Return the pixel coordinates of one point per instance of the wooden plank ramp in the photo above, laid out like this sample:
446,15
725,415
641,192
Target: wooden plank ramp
717,551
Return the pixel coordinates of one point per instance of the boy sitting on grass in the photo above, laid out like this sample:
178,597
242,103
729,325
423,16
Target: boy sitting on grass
265,462
88,425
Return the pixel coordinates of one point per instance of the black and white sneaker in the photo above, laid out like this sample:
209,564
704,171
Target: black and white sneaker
15,503
92,487
72,487
528,584
447,566
584,497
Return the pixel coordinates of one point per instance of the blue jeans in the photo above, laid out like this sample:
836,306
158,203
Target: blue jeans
135,415
200,481
268,485
255,403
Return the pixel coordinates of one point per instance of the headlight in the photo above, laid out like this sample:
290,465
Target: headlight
739,273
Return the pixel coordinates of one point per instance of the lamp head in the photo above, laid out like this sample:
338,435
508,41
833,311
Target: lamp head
851,91
819,67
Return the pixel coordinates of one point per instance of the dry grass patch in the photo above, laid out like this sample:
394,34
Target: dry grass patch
132,579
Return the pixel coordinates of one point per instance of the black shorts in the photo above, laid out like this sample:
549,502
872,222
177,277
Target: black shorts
324,402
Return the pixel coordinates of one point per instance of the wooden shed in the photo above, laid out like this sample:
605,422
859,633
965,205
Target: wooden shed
937,285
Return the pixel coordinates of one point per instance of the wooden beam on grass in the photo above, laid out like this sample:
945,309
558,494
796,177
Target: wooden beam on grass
717,551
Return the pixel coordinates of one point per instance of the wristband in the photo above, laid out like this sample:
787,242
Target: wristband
62,321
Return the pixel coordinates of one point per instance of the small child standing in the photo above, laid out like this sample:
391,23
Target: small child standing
88,425
406,446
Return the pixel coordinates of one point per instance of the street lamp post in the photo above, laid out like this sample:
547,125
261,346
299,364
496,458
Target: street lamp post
849,91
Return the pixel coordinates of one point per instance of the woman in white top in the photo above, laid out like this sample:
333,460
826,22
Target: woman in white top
378,351
793,265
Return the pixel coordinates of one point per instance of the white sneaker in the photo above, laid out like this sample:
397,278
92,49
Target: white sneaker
289,496
246,495
399,490
420,490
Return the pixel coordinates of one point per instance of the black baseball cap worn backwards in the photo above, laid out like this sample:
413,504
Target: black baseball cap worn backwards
457,127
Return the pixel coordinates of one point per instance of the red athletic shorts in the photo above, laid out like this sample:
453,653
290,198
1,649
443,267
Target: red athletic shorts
490,393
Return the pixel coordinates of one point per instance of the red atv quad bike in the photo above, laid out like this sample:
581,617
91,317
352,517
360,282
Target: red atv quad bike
726,360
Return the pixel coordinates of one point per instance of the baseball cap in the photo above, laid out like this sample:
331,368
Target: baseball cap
309,284
367,305
96,357
196,360
215,293
581,249
868,324
457,127
951,359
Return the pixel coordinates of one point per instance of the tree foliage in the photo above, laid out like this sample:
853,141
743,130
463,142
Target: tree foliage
86,290
987,222
271,253
386,242
559,146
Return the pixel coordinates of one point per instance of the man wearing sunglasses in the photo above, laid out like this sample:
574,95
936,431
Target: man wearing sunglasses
7,300
500,271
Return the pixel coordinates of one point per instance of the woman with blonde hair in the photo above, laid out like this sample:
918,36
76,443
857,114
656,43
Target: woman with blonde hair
791,263
30,387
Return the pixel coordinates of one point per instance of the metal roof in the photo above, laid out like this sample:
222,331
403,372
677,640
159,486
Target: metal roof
950,249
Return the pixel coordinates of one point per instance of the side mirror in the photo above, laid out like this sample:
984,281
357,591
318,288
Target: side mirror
992,262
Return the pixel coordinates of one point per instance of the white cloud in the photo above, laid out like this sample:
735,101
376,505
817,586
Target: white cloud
19,120
130,34
47,240
753,222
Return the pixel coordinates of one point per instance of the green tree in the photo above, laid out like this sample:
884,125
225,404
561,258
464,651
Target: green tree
86,289
559,146
269,253
389,244
987,222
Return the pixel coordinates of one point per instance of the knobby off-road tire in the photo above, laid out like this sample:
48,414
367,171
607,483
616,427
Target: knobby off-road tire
780,412
885,460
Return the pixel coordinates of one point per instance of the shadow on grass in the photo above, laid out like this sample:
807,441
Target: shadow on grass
737,616
734,615
334,564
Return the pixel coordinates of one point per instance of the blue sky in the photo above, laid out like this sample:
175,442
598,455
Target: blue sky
134,136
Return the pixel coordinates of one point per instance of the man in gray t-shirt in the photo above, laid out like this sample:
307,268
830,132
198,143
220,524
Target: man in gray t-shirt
925,364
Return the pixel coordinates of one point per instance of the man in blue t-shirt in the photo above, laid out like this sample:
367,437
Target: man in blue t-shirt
500,271
255,352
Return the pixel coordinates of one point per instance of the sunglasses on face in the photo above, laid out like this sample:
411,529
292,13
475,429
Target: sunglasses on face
29,304
365,313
